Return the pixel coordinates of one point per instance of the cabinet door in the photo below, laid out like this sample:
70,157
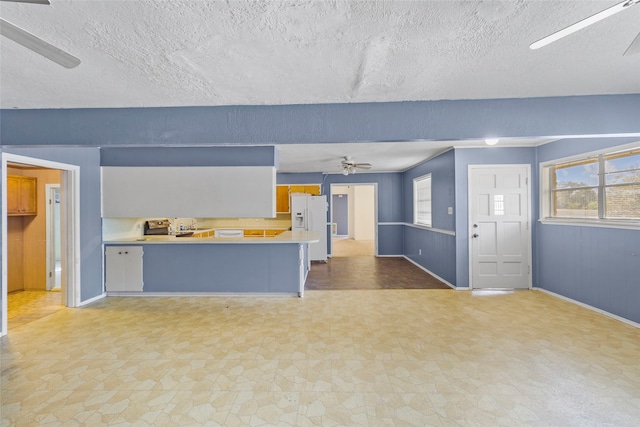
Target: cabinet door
21,195
123,269
282,199
296,189
314,190
13,195
28,194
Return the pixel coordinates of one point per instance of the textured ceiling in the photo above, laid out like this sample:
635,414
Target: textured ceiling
206,53
178,53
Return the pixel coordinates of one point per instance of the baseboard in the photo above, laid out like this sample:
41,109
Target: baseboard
92,300
207,294
431,273
589,307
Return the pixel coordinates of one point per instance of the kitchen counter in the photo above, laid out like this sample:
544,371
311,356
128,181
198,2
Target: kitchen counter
286,237
193,266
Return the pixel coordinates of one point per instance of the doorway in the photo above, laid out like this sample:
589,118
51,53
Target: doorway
69,233
354,220
53,252
499,231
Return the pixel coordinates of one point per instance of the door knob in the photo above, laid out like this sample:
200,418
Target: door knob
475,235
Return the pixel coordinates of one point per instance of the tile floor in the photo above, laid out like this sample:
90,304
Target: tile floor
27,306
380,358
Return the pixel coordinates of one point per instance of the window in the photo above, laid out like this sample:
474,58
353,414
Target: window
422,200
601,187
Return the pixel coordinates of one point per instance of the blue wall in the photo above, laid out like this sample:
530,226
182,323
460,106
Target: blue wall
431,248
597,266
392,121
189,156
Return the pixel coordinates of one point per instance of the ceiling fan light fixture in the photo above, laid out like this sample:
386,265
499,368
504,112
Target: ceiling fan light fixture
491,141
582,24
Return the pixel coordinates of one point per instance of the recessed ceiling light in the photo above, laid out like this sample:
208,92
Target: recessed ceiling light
491,141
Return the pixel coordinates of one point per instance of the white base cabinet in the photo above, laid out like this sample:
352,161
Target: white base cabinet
123,269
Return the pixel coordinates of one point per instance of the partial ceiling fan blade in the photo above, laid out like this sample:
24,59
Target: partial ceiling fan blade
634,47
30,1
37,45
582,24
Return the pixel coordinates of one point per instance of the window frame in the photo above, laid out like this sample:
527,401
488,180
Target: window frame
416,182
547,192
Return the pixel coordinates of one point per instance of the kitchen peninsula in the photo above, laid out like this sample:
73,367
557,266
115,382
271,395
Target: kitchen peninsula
211,265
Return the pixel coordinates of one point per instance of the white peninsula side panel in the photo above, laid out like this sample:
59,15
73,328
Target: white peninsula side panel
198,192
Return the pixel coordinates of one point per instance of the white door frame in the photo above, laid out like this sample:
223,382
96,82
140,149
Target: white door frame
470,222
69,227
375,207
50,235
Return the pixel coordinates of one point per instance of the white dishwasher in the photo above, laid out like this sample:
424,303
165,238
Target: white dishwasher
229,233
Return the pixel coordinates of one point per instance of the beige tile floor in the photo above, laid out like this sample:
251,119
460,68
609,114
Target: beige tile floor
27,306
380,358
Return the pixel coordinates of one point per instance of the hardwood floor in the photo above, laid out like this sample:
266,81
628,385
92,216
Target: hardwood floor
368,272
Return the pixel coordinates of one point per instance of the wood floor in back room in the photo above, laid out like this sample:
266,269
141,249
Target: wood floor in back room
353,270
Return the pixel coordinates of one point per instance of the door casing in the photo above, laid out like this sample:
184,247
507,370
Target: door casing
470,219
70,228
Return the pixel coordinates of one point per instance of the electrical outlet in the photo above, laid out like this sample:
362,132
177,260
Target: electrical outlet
419,251
450,210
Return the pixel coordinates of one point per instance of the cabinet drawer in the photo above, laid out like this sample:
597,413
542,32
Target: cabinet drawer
272,233
254,233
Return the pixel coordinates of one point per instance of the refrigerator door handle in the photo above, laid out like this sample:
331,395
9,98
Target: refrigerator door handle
310,219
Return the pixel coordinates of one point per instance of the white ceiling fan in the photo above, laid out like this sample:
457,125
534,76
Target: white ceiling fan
350,167
625,5
36,44
633,48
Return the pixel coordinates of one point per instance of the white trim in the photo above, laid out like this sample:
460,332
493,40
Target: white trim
529,213
430,272
421,227
595,223
435,230
544,202
70,210
92,300
207,294
50,235
590,307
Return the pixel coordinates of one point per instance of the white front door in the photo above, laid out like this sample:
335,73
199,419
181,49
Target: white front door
499,226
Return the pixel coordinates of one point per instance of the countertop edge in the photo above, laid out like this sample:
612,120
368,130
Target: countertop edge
288,237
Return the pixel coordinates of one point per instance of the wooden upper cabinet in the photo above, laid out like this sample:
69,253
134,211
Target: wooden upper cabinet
282,199
314,190
21,195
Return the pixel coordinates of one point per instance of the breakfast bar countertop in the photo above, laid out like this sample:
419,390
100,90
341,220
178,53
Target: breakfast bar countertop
286,237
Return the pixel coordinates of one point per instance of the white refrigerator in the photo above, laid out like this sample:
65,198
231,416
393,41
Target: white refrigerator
309,213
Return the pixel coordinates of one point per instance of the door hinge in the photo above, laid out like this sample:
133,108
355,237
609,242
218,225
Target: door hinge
50,274
526,181
528,269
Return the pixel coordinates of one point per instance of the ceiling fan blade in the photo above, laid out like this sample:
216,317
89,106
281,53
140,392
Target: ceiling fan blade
30,1
37,45
363,165
582,24
634,47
